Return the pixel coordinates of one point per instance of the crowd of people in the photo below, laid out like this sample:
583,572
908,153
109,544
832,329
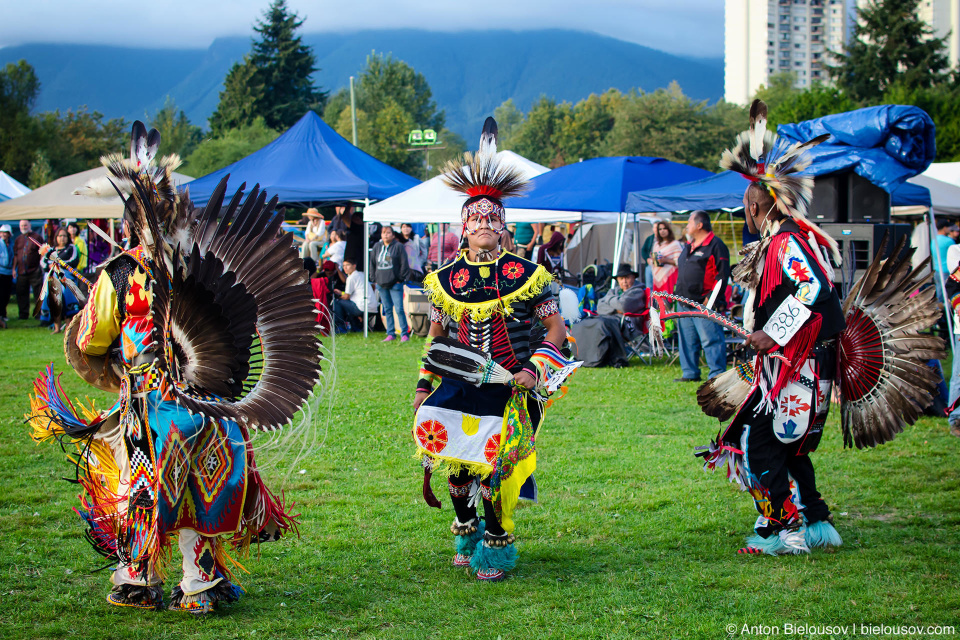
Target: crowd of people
43,268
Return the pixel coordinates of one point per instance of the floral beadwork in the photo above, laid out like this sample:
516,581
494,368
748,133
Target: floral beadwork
460,279
513,270
432,436
492,449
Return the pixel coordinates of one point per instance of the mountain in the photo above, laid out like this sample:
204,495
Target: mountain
470,73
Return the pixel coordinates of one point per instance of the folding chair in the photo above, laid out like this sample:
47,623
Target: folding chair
634,326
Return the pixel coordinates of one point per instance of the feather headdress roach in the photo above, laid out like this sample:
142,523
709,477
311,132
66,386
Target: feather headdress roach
761,157
146,183
483,178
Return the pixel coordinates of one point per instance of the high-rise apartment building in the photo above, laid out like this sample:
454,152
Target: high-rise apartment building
764,37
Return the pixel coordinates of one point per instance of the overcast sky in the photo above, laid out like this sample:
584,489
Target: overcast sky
686,27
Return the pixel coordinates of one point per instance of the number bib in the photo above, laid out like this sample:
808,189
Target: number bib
786,320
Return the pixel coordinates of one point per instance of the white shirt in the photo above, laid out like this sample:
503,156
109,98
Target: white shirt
335,252
354,289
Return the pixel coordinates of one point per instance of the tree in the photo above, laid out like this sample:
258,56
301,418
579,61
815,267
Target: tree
890,45
76,140
668,124
19,88
536,138
176,133
392,99
786,103
274,80
40,171
216,153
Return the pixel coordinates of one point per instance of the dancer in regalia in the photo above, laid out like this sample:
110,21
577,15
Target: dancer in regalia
501,308
780,401
205,329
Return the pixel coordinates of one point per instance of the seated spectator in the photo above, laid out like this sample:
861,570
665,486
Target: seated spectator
336,248
550,255
626,292
348,304
315,235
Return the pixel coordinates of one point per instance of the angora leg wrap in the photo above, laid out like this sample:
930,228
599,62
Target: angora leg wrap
786,542
465,545
822,534
484,557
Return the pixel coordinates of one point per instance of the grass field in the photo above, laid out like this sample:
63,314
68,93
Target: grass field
631,538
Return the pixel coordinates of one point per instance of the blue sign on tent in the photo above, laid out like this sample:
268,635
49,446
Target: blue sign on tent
309,163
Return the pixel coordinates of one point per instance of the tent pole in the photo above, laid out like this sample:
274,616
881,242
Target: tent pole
113,234
366,270
353,120
618,249
636,244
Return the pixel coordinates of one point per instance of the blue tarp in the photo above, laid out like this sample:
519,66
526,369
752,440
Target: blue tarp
894,143
310,163
886,145
601,184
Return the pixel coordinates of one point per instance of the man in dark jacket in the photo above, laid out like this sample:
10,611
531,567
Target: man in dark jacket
390,270
703,264
26,267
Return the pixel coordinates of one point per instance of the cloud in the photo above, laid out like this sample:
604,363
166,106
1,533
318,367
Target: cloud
686,27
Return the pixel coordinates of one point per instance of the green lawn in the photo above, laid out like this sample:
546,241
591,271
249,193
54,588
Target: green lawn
631,539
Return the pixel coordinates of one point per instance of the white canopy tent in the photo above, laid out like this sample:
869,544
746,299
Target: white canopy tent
433,201
10,188
944,195
945,172
56,200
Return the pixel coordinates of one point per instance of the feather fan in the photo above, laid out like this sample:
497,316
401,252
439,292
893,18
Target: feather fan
452,359
885,383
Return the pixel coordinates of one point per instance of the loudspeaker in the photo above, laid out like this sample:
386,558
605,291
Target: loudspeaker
846,197
859,243
866,202
827,195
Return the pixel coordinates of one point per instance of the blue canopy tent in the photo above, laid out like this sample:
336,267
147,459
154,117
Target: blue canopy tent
309,163
602,184
598,188
725,191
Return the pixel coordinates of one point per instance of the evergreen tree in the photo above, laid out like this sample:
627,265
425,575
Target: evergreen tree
19,87
40,171
274,80
890,45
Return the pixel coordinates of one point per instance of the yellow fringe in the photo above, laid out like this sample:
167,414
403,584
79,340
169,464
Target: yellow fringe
447,467
480,311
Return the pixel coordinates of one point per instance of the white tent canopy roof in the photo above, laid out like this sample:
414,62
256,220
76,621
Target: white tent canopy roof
433,201
944,196
56,200
10,188
945,172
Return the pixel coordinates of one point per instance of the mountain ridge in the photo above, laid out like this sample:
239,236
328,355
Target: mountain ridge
470,72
